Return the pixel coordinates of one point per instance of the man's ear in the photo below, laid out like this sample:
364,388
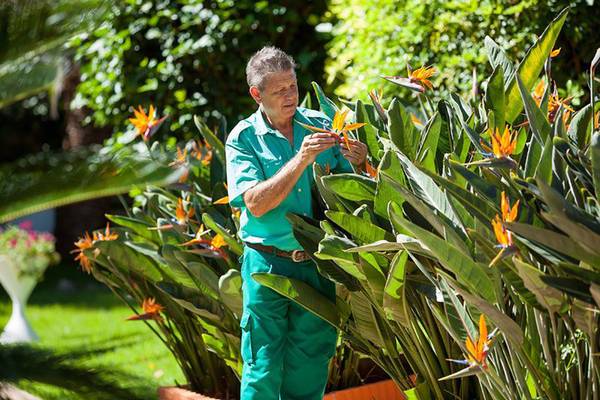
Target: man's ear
255,93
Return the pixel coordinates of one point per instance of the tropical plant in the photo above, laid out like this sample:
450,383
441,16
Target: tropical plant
480,213
177,254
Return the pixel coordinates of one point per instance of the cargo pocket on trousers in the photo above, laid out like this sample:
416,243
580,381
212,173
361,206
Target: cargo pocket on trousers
247,350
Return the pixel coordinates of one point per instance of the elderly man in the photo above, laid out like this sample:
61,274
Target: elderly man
285,348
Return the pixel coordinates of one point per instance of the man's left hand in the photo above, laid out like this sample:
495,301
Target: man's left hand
357,153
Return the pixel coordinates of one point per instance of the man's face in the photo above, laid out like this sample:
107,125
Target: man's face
279,97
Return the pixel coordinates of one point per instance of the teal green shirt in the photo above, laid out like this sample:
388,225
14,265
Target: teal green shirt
254,152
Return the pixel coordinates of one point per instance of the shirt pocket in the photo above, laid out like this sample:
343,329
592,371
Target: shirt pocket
271,166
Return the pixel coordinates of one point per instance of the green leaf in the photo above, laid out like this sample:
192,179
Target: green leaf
579,128
351,186
327,106
49,180
230,289
393,298
480,185
139,227
425,188
401,133
494,97
547,296
212,139
390,171
360,229
499,59
365,319
368,133
332,248
429,143
544,169
508,327
127,259
531,66
553,240
537,120
301,293
309,237
469,272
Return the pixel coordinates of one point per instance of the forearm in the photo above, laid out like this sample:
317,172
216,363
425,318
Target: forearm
268,194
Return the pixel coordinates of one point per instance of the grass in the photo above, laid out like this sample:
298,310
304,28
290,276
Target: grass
69,310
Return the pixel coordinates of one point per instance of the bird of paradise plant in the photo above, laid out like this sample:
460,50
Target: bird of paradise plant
555,102
146,124
87,242
181,214
477,351
503,235
151,309
502,148
417,80
339,127
214,244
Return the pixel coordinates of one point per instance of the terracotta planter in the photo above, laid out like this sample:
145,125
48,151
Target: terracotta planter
180,393
382,390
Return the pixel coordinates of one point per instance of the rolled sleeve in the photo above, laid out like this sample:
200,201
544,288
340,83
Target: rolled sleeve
243,170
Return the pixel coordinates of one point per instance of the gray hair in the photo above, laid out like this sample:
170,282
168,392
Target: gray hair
266,61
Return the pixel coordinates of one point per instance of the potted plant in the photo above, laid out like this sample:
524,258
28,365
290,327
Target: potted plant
24,256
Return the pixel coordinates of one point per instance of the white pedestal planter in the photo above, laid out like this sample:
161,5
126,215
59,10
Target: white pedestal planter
19,288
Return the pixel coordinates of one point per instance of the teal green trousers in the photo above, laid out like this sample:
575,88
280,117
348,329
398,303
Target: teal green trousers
285,348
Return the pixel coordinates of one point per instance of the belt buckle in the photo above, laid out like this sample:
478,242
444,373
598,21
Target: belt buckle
296,256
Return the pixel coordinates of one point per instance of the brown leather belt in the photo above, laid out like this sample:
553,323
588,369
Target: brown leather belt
295,255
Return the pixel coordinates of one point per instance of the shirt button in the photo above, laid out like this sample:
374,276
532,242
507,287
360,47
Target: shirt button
299,189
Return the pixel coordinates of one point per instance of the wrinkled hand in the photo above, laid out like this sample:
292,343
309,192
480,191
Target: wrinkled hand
357,153
314,144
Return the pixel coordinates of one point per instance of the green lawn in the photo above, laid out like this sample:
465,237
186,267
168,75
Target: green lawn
89,316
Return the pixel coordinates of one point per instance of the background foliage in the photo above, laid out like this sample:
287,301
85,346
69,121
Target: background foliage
378,37
188,57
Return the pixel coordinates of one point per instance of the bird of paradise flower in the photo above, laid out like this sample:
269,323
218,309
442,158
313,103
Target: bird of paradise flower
146,124
87,242
339,127
151,309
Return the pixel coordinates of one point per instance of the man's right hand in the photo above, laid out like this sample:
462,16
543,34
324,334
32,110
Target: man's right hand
313,145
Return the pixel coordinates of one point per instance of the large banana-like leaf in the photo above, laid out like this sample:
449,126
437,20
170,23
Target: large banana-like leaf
469,272
48,180
327,106
549,297
127,259
531,66
362,230
350,186
402,130
303,294
537,120
494,97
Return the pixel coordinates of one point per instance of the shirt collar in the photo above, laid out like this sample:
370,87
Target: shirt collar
261,126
